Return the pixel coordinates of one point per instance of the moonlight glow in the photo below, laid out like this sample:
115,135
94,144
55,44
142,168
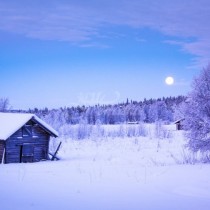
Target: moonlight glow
169,80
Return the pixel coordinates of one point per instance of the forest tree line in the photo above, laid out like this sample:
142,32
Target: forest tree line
164,109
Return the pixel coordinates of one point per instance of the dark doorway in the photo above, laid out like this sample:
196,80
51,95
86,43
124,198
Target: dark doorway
26,153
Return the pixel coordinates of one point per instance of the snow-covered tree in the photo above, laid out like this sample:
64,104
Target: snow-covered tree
179,110
197,112
4,104
140,114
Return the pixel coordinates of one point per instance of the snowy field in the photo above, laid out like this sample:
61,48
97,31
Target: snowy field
111,173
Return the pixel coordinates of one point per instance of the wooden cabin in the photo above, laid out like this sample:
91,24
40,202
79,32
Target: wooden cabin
24,138
179,124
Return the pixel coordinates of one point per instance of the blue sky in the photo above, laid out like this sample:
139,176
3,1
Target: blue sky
57,53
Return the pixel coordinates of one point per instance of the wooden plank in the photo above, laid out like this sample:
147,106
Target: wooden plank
2,151
54,156
2,158
2,147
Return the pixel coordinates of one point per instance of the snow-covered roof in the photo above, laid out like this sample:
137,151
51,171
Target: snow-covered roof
177,121
11,122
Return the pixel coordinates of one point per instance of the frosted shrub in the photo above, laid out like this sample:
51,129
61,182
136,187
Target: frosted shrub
84,130
81,132
167,134
121,131
189,157
113,134
53,144
206,157
161,132
97,131
131,131
66,130
141,130
158,129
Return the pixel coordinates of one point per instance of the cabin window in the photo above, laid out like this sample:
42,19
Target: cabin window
27,130
34,131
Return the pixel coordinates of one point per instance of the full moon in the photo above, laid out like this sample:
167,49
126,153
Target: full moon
169,80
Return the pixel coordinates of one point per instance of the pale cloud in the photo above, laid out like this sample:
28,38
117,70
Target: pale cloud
92,98
79,21
95,45
138,39
182,83
199,48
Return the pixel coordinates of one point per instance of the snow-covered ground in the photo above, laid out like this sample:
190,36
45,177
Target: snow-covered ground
108,173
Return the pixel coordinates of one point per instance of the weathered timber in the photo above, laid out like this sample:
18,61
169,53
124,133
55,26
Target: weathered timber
54,156
2,149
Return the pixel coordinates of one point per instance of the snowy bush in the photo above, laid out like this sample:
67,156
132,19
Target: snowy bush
161,132
141,130
131,130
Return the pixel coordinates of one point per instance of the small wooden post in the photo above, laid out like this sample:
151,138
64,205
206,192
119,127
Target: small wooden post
54,156
2,161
